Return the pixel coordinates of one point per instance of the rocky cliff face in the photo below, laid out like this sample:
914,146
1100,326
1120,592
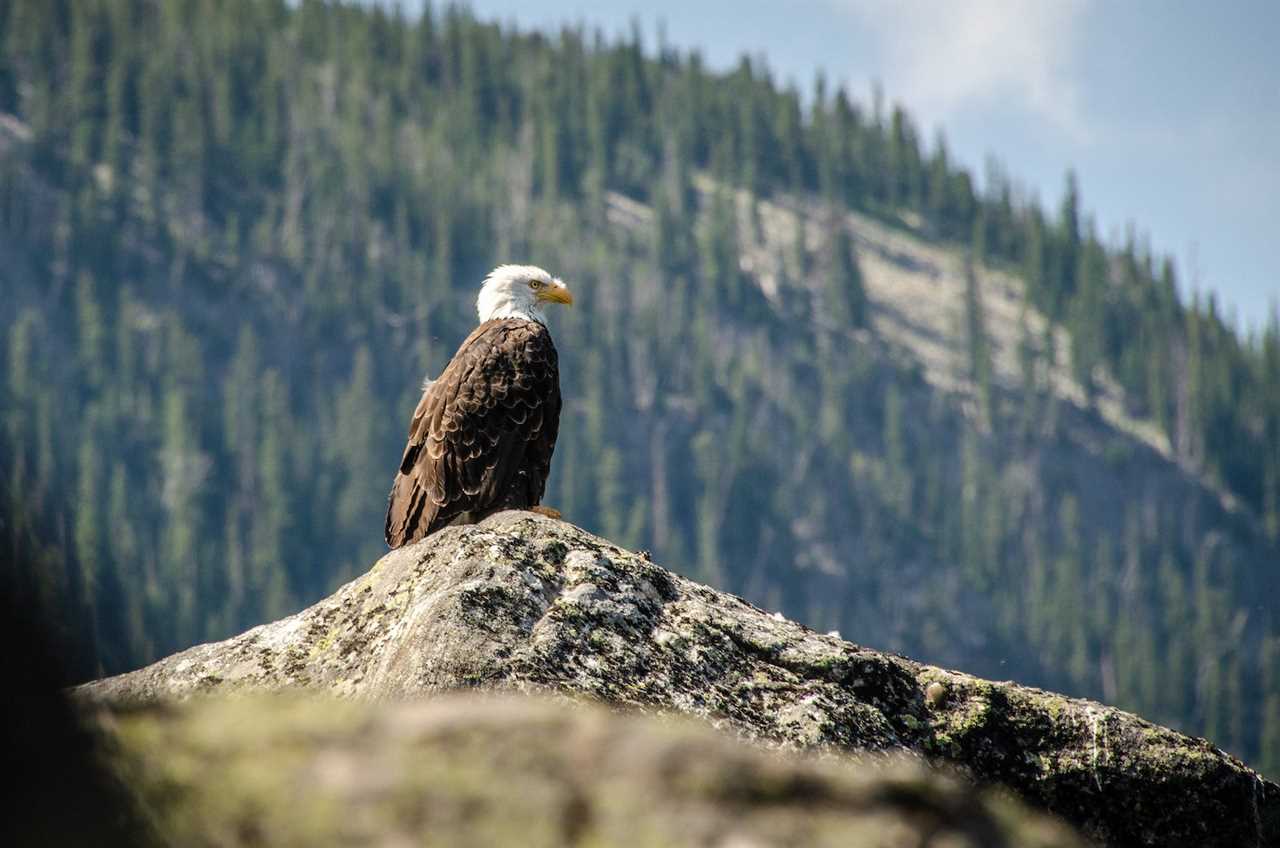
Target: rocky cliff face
526,603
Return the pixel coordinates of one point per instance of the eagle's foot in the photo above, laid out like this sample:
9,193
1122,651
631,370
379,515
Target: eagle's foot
549,512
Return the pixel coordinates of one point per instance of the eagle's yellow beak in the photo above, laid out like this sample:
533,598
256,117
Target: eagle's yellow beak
556,293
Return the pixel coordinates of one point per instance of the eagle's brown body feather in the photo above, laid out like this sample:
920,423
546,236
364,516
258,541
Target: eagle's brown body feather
482,435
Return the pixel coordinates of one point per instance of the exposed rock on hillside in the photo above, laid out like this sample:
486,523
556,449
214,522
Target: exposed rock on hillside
524,602
472,770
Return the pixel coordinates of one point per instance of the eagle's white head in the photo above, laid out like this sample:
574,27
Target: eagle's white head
519,291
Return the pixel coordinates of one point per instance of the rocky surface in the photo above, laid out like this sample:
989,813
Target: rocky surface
528,603
485,771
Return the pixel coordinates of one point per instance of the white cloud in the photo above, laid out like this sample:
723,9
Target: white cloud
946,57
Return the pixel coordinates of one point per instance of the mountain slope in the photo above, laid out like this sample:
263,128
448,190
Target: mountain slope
1063,493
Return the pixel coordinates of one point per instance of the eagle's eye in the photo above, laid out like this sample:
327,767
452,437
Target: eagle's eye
536,284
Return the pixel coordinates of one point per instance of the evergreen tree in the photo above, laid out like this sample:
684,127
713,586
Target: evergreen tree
846,293
979,350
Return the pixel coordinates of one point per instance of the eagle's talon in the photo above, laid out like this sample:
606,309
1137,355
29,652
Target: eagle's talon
549,512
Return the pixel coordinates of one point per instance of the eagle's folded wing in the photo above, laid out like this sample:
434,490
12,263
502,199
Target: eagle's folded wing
482,435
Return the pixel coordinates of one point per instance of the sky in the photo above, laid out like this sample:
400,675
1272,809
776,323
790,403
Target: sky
1167,110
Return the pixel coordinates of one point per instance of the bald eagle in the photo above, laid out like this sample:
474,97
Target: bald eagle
482,435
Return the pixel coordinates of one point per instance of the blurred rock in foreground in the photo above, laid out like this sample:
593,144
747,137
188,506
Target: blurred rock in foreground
527,603
487,771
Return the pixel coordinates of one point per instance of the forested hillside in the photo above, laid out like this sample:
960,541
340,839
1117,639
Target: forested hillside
236,234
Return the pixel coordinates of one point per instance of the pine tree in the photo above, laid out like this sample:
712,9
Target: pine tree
358,503
895,452
268,575
938,204
183,472
1068,244
91,338
846,294
1269,741
980,365
126,553
89,546
1083,315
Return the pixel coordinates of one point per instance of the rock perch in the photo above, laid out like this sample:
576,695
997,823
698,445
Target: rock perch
526,603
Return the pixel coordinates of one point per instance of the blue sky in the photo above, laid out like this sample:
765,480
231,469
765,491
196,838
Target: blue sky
1168,111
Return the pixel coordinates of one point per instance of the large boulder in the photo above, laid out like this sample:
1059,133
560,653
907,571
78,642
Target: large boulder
528,603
